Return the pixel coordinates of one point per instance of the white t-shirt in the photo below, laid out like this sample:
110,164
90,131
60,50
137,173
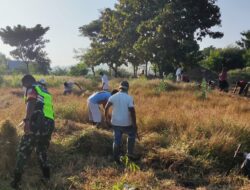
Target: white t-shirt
106,82
178,71
120,114
69,86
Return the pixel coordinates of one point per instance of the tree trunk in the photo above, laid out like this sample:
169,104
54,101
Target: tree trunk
27,66
160,70
116,71
146,69
93,70
114,68
135,70
155,70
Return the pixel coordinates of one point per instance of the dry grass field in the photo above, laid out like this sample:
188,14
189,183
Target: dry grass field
186,142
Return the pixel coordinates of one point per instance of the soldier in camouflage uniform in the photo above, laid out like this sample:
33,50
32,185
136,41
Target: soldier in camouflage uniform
38,127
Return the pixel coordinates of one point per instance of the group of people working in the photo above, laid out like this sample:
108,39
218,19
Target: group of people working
224,86
223,81
39,122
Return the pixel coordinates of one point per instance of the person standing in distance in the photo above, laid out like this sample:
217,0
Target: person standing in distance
105,81
123,120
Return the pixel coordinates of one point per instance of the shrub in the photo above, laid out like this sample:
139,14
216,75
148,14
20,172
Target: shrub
170,77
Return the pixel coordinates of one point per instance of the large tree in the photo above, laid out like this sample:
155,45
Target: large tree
244,43
3,63
245,40
174,28
230,57
105,48
163,32
29,43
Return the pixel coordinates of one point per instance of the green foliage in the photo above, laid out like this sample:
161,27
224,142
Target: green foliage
120,184
204,89
28,42
1,80
74,181
161,87
3,64
239,74
130,166
246,57
79,70
137,32
245,40
170,77
230,57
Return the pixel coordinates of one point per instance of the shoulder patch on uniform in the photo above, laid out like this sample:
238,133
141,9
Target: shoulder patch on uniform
31,94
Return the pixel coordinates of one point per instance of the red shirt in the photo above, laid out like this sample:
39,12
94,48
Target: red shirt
223,76
31,94
242,83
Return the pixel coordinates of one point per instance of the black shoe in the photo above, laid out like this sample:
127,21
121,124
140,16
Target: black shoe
14,185
133,157
45,181
46,173
118,162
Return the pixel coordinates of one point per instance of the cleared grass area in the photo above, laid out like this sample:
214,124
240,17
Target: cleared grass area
186,142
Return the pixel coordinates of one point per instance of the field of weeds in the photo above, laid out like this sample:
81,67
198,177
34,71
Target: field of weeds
187,142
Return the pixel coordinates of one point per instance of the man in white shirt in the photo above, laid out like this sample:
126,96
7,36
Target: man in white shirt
123,120
105,81
93,103
178,74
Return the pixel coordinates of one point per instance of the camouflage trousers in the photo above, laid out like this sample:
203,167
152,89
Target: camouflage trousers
39,143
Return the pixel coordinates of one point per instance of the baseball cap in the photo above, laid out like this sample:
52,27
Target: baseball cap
124,85
42,81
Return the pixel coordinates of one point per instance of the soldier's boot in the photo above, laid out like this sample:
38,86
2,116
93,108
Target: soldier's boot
46,172
16,181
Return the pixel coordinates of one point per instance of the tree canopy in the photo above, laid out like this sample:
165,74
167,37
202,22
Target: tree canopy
163,32
29,44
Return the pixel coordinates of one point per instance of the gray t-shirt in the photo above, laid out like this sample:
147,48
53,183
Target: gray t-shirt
121,102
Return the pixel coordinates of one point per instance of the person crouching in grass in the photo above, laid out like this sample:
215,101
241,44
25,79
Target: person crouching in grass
244,86
93,103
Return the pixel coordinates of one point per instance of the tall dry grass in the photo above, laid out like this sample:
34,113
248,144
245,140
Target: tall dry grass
186,142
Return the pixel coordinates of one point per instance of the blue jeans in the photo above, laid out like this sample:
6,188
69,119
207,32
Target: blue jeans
118,131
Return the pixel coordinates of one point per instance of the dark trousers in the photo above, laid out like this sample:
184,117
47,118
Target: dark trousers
39,143
118,132
223,85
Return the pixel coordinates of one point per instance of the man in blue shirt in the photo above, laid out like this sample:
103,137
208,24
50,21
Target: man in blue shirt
93,103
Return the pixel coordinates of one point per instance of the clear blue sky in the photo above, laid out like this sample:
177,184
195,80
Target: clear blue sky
64,17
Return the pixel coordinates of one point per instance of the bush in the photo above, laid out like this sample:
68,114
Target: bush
80,69
170,77
231,58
